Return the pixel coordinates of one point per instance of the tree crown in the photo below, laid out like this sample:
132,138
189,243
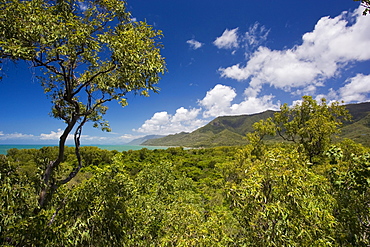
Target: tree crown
91,52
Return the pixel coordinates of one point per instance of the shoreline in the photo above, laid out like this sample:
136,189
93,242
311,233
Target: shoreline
5,147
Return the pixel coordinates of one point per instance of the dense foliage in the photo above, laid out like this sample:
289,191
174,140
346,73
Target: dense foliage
224,196
309,124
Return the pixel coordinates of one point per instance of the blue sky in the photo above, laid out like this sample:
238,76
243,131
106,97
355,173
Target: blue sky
224,57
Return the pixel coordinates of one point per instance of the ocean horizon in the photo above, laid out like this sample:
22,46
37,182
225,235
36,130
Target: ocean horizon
4,147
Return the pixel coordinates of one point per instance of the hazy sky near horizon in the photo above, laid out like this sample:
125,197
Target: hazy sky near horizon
224,57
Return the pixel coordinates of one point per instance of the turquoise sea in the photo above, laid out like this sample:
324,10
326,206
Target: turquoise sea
120,148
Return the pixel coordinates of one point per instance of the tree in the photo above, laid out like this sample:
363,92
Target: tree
309,124
90,52
366,4
255,139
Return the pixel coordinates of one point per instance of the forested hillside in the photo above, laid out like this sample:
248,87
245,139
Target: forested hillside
231,130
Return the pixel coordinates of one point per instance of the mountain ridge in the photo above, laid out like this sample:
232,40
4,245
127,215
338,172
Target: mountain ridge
231,130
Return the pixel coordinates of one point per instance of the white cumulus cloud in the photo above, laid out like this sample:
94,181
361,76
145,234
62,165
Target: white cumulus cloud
165,123
356,90
323,54
228,39
252,105
217,101
194,44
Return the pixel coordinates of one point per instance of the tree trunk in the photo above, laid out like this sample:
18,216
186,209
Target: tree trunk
50,185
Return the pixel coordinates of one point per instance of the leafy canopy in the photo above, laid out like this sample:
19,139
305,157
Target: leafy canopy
310,124
90,51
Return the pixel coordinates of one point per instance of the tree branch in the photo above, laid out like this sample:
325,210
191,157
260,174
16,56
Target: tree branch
39,63
50,185
92,78
77,137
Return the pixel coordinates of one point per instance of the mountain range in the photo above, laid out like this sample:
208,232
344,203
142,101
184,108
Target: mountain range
231,130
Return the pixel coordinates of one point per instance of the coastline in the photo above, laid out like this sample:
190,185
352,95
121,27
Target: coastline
5,147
